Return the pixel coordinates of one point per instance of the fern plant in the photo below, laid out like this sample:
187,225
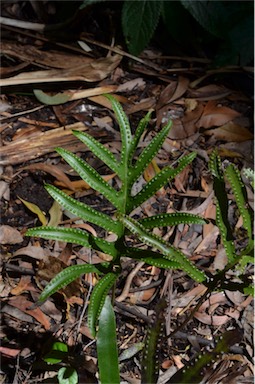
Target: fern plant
128,169
238,259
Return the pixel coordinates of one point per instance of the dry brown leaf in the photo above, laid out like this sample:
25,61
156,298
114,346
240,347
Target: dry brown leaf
11,352
9,235
90,72
186,126
52,170
23,304
53,59
23,285
181,88
230,132
209,92
212,320
36,252
216,115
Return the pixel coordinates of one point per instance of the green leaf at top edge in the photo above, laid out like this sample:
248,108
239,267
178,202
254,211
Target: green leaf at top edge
149,153
124,126
138,133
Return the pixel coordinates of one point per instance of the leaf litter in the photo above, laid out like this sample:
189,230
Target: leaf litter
204,117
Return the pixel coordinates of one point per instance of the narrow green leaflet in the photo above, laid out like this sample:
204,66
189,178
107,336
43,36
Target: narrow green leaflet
125,131
234,177
166,249
151,258
83,211
221,200
97,299
171,219
99,150
158,181
193,373
65,277
138,133
75,236
107,352
91,176
149,153
150,362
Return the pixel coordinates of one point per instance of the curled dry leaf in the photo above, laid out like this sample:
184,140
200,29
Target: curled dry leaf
216,115
9,235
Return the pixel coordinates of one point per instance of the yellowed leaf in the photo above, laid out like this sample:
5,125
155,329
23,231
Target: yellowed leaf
55,215
35,209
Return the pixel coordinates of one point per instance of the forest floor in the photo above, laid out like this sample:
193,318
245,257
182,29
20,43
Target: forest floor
209,109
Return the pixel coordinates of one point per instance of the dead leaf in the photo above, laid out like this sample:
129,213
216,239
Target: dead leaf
90,72
53,170
53,59
186,126
216,115
35,209
181,88
9,235
230,132
36,252
23,285
23,304
209,92
11,352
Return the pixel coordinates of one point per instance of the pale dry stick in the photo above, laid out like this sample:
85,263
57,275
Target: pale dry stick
85,306
130,277
22,113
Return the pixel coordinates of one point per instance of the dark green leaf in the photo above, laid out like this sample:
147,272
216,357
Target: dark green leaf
149,153
91,176
99,150
166,249
107,351
139,21
171,219
65,277
75,236
83,211
97,299
158,181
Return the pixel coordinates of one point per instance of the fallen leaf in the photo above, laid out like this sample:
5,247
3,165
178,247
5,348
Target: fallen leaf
230,132
9,235
23,285
55,213
90,72
11,352
35,209
186,126
53,170
23,304
216,115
